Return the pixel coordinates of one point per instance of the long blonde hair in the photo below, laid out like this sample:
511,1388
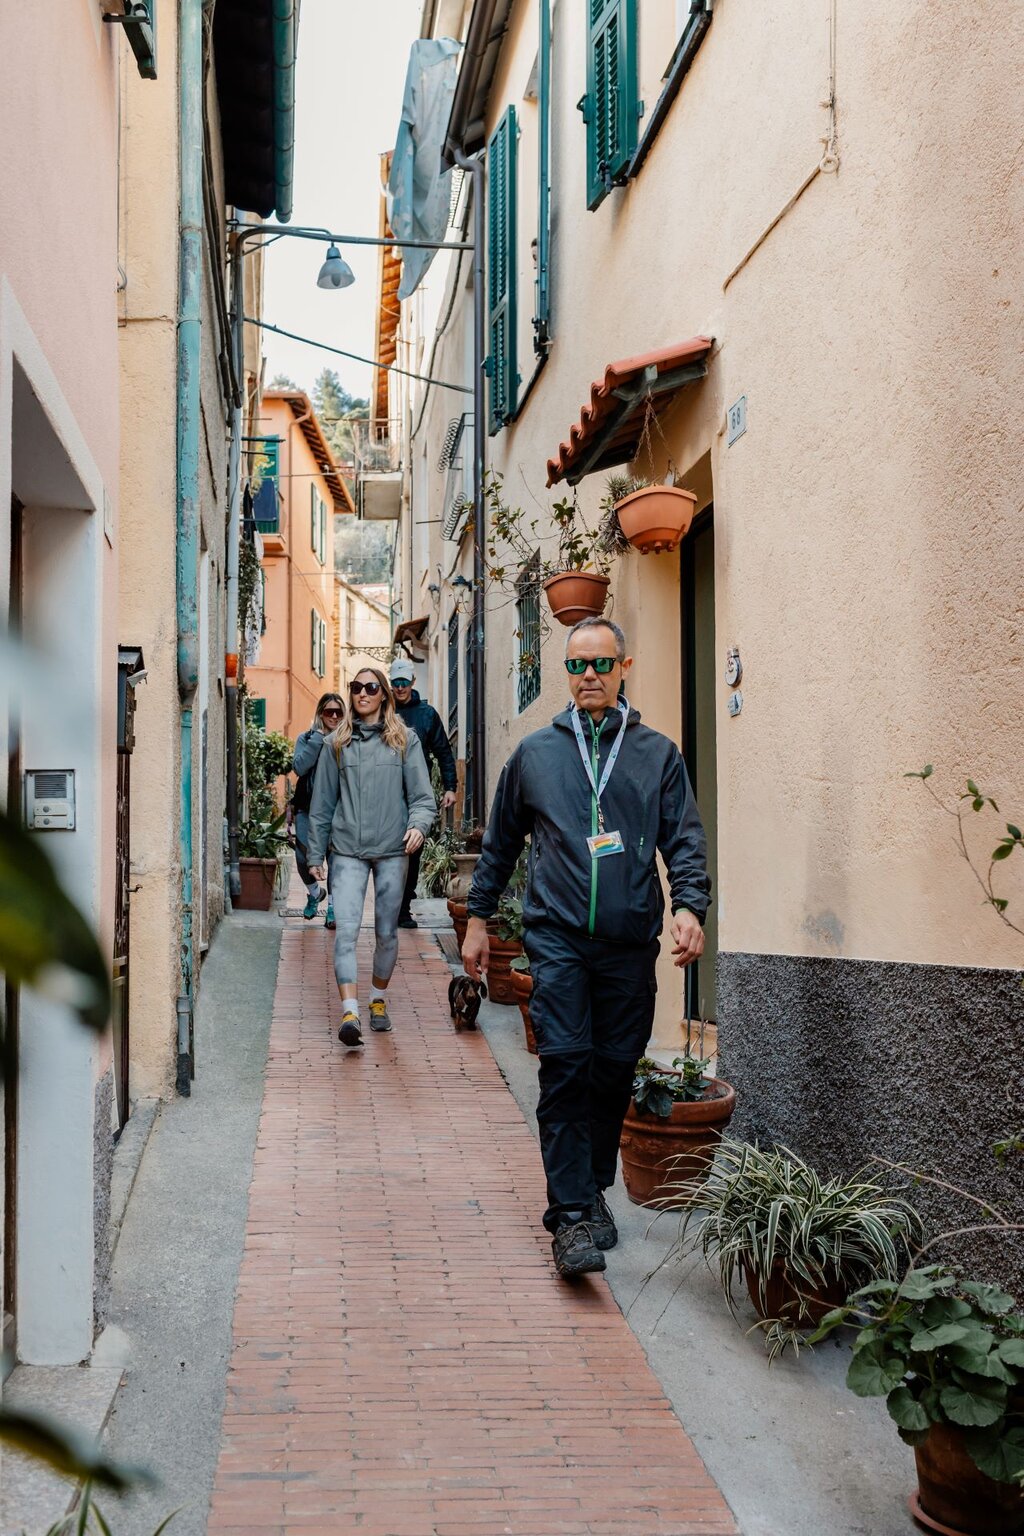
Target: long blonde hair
394,733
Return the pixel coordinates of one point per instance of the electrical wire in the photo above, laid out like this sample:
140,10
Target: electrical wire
462,389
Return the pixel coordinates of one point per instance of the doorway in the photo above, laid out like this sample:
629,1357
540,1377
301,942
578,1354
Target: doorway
11,994
697,623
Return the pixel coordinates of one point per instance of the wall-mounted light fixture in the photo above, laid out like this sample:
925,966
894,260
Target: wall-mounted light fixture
463,590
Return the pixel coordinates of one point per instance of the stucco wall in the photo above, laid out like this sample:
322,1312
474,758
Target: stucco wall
867,524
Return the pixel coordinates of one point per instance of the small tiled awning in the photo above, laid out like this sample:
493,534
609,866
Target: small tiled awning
610,427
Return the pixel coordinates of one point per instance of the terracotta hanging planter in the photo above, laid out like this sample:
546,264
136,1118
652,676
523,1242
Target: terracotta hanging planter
660,1153
656,518
574,595
954,1498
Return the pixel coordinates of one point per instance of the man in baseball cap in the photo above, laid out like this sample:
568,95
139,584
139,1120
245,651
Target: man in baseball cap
426,722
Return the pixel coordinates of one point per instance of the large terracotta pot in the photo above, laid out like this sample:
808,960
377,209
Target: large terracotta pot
459,914
954,1498
499,975
657,1154
458,886
574,595
656,518
522,988
784,1296
257,878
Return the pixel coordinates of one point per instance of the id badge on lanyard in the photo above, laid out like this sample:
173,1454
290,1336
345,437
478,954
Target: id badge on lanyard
604,843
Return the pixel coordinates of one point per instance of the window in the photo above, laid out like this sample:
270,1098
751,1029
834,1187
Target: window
258,713
528,634
317,524
501,270
453,678
323,530
317,644
611,108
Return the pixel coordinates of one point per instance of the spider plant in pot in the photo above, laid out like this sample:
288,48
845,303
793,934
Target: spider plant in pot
947,1354
801,1242
674,1121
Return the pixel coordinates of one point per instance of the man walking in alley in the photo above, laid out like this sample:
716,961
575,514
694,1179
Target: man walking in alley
424,719
598,794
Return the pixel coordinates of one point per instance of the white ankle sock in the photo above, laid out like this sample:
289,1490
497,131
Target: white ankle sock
378,995
350,1005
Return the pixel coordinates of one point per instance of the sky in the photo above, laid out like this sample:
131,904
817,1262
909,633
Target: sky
351,70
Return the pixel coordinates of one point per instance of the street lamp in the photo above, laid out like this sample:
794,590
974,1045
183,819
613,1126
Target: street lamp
335,272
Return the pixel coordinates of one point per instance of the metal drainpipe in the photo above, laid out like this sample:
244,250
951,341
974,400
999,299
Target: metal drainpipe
475,166
231,571
190,246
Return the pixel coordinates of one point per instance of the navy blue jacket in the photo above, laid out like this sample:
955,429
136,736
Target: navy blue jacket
544,794
424,719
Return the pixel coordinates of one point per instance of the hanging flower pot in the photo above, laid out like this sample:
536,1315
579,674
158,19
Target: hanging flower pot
656,518
574,595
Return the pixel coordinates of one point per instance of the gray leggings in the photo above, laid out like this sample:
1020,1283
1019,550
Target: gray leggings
349,878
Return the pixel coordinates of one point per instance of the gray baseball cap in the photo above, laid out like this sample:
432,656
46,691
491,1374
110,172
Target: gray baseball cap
402,670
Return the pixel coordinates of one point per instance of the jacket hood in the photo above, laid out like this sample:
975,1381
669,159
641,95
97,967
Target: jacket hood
564,720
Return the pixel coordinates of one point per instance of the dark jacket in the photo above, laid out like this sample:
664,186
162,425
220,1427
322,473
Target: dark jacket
424,719
544,794
307,755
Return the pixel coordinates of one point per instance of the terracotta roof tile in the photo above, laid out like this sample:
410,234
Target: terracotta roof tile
604,405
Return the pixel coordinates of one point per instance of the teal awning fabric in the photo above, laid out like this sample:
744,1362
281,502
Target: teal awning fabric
419,191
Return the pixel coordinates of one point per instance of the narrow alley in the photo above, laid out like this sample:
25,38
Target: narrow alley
403,1360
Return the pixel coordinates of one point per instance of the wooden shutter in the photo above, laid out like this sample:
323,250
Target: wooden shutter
312,518
611,106
323,531
501,273
312,639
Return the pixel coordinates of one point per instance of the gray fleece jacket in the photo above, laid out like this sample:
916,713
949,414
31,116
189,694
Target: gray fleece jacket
365,807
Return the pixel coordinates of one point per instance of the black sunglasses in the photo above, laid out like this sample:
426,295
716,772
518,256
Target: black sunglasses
577,665
332,709
371,688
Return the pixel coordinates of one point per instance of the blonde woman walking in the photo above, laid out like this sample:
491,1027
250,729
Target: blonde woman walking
372,807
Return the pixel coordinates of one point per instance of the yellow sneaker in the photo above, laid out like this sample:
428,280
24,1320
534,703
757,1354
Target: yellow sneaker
379,1019
350,1034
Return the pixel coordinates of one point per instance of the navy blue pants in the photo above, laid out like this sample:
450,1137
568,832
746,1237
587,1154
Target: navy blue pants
592,1008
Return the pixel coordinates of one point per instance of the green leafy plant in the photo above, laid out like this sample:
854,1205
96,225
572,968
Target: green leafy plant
261,839
763,1208
1012,839
656,1089
268,755
508,919
88,1519
437,861
942,1350
514,541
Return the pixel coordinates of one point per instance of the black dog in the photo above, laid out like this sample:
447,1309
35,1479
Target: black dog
464,997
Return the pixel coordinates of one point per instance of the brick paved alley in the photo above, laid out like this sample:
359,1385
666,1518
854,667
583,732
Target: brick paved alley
404,1361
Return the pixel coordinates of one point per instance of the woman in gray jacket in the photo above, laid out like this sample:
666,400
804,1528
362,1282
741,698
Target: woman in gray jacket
372,806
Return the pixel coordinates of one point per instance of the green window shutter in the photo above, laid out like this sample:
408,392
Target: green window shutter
312,639
258,713
323,532
501,270
312,517
611,107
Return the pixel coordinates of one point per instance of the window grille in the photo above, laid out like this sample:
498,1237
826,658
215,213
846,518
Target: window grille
528,634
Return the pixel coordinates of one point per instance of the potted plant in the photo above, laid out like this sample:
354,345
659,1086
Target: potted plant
437,862
258,844
800,1242
505,931
577,588
948,1356
675,1119
639,515
466,854
522,990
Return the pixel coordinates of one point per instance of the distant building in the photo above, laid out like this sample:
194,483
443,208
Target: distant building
298,489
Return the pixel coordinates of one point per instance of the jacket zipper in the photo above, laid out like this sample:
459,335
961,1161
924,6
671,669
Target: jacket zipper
594,828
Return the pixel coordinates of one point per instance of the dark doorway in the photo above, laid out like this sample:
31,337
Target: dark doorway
129,668
10,996
697,598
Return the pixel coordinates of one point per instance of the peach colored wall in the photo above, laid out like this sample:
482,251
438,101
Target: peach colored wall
297,583
868,533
